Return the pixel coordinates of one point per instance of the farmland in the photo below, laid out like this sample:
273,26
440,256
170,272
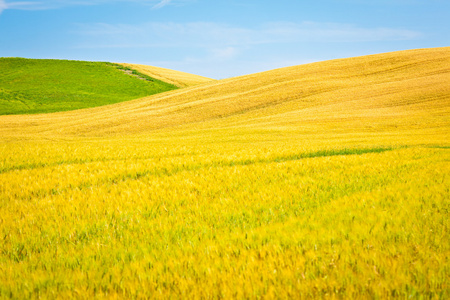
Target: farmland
327,179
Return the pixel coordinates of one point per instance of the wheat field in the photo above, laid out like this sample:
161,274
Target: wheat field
323,180
177,78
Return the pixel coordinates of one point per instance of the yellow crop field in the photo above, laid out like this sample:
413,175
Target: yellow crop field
323,180
180,79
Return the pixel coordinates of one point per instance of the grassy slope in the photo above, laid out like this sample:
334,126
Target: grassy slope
41,86
177,78
317,180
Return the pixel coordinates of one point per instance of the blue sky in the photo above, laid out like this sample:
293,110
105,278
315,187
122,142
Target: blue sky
219,38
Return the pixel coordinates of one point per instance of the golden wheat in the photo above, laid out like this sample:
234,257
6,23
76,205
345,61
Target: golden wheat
324,180
180,79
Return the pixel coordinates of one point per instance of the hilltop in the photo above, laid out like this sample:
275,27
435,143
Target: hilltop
30,86
177,78
405,92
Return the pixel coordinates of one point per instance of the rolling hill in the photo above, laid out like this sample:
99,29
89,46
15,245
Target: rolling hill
326,180
404,92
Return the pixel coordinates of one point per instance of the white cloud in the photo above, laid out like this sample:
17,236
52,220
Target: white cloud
55,4
225,53
336,32
26,5
162,4
154,34
222,36
3,6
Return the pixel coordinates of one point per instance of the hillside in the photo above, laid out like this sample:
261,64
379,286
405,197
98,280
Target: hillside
177,78
30,86
404,92
327,180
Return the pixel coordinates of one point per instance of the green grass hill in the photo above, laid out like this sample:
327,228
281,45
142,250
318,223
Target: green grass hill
30,86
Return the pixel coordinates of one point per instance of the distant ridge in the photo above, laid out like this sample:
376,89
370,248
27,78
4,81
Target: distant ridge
406,92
